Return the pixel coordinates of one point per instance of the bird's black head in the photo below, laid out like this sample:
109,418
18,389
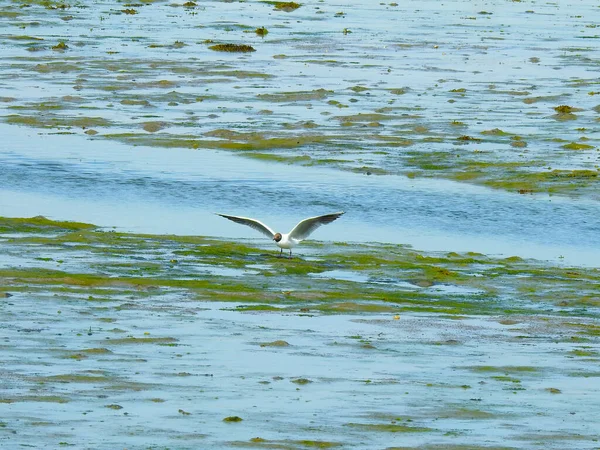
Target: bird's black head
277,237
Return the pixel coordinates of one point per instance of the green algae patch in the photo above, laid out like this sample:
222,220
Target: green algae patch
24,38
495,132
284,6
135,102
36,398
114,406
317,94
10,14
232,419
61,46
86,353
40,224
586,353
505,369
466,138
565,109
95,351
153,127
53,121
243,142
232,48
262,31
76,378
423,277
577,146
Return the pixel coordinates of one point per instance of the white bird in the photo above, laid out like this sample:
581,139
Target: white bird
294,237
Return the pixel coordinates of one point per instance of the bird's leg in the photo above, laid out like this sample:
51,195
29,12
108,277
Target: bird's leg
290,253
280,253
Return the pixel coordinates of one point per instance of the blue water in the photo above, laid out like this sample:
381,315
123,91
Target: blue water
177,191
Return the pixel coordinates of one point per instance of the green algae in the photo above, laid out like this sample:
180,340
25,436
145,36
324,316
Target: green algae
40,223
278,343
153,127
249,142
317,94
577,146
135,102
516,176
36,398
467,414
76,378
495,132
584,353
283,6
505,369
114,406
262,31
232,48
86,353
53,121
565,109
232,419
61,46
25,38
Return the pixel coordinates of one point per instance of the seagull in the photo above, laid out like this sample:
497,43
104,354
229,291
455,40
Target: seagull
294,237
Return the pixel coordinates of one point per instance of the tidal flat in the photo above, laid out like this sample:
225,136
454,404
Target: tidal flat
455,305
477,92
115,339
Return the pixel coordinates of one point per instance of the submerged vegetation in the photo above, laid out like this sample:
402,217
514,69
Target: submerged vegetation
232,48
283,6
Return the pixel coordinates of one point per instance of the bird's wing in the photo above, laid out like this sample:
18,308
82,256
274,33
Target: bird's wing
252,223
307,226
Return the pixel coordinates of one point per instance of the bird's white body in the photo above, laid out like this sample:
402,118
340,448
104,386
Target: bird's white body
287,240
